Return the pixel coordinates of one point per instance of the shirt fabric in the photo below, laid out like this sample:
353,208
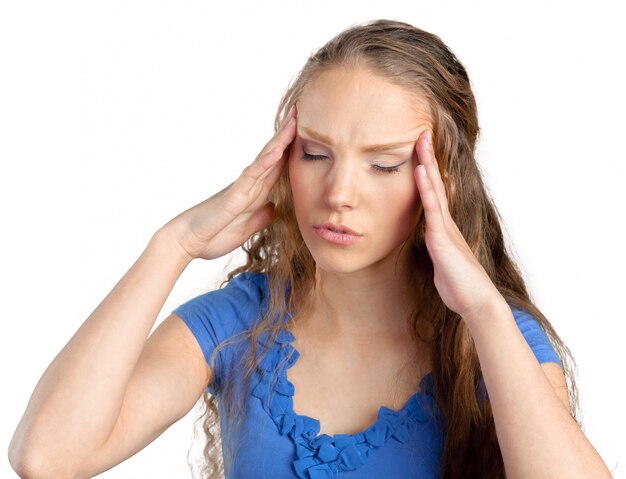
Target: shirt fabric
276,442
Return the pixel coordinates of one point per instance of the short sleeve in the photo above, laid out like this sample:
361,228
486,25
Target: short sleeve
536,337
217,315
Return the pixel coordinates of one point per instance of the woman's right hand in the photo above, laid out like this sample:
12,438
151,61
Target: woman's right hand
227,219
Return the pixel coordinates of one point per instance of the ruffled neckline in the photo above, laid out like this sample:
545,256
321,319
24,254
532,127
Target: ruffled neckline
321,456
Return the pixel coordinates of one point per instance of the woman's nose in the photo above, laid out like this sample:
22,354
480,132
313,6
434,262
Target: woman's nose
341,188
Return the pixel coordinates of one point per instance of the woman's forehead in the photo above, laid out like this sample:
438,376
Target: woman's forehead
359,108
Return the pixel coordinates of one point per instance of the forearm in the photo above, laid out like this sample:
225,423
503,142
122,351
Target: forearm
537,435
77,401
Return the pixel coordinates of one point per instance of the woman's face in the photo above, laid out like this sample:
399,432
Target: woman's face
342,113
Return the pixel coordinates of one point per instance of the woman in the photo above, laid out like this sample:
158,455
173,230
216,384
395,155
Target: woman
377,322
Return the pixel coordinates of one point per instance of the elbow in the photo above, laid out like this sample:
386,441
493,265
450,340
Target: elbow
31,467
18,462
23,467
24,470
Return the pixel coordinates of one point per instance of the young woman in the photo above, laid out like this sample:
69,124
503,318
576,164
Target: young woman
379,327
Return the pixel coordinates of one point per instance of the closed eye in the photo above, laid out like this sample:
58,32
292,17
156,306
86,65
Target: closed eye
306,156
382,169
387,169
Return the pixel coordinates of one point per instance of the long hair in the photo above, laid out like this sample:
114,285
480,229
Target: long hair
422,64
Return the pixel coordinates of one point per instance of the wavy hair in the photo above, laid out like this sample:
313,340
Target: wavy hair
423,65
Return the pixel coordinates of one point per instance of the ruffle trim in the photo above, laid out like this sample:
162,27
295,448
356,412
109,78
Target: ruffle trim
323,456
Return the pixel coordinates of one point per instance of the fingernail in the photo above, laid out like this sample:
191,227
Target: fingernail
429,137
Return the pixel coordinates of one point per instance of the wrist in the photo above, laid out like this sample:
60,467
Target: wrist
493,307
167,239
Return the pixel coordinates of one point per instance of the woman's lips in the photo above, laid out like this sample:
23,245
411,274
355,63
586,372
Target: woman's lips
337,228
345,238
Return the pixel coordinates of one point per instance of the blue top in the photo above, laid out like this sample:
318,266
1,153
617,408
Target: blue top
276,442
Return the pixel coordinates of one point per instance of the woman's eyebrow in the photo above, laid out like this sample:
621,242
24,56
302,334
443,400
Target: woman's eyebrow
368,149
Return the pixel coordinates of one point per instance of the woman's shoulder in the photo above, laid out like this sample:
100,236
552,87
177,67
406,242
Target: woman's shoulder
254,285
233,307
535,335
247,290
523,317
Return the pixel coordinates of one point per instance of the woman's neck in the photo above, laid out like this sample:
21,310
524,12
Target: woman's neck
373,303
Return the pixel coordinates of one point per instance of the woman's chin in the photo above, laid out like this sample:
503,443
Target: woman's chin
347,262
337,263
342,263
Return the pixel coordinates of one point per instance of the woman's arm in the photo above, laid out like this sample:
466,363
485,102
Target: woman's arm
76,404
537,435
77,401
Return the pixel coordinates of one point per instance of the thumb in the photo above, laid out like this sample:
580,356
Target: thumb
260,219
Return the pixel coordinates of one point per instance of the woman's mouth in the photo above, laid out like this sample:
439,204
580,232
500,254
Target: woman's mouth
337,234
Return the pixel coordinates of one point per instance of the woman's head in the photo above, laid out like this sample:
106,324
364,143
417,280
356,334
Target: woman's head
381,82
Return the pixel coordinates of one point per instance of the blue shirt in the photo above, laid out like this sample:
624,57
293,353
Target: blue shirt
276,442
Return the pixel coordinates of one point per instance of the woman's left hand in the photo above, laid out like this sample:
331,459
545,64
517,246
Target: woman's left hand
462,282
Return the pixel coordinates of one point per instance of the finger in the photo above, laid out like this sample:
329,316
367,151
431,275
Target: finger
260,219
281,127
274,172
429,198
426,155
267,166
264,184
272,153
253,172
283,138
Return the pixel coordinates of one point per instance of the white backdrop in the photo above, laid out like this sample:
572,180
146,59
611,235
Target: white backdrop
116,116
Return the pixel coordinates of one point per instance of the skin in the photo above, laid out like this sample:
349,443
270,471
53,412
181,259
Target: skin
361,294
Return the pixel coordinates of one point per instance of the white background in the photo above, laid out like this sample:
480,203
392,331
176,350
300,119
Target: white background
116,116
